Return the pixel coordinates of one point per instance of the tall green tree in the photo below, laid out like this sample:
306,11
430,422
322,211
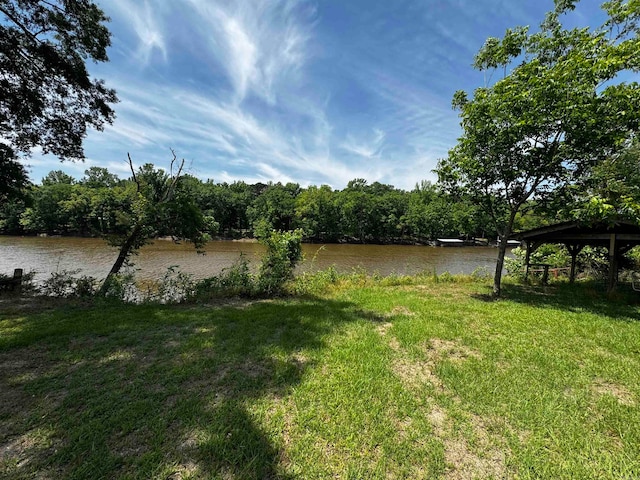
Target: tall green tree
13,175
561,108
99,177
275,207
611,192
318,214
47,98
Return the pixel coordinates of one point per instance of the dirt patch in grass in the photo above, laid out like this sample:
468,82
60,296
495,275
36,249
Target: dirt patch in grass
414,374
383,328
299,360
485,456
402,310
253,369
465,462
619,392
403,427
18,453
183,471
439,349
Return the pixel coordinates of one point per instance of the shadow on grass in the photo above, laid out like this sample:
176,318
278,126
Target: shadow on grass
157,392
623,304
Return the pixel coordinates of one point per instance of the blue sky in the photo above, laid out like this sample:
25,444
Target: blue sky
314,92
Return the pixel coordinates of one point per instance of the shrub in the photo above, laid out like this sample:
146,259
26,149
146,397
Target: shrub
174,287
121,287
481,274
26,285
284,251
64,284
634,256
593,262
234,281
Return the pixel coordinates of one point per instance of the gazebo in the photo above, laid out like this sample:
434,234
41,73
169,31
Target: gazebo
618,239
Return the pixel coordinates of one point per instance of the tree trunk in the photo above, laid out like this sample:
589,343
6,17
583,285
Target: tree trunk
502,250
125,251
613,263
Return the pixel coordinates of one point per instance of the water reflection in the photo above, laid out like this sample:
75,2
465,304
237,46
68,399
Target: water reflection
94,257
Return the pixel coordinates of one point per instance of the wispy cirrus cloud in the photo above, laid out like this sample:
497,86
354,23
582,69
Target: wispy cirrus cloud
145,20
219,135
370,148
257,43
292,90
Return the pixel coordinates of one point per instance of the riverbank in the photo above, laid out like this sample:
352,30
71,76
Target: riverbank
343,240
392,378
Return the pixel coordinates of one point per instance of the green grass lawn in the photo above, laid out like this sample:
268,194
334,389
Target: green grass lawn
383,379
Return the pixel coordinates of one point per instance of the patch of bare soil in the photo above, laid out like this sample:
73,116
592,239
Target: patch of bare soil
619,392
299,359
383,328
486,456
184,470
414,372
439,349
22,449
465,462
402,310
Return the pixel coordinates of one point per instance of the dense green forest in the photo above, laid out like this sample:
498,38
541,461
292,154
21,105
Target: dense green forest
101,204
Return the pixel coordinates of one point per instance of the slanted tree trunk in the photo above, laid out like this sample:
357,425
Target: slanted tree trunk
125,251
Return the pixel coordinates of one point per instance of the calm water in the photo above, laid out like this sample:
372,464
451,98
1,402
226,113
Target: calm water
94,257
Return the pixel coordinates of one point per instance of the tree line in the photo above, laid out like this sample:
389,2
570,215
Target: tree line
102,204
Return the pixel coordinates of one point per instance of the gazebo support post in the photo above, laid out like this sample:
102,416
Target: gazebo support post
574,250
613,263
526,261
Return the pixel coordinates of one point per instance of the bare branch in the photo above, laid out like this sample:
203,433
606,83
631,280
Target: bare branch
135,179
174,177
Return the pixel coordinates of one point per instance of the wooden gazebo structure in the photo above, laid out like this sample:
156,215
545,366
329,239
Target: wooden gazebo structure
618,239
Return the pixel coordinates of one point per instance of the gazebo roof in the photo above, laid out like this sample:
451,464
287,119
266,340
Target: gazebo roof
579,234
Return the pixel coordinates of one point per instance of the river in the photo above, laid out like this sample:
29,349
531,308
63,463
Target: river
93,257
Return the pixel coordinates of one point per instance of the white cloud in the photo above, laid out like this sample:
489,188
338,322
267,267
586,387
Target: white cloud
368,149
144,20
259,43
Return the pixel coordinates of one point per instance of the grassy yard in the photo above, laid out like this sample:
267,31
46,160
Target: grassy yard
382,379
